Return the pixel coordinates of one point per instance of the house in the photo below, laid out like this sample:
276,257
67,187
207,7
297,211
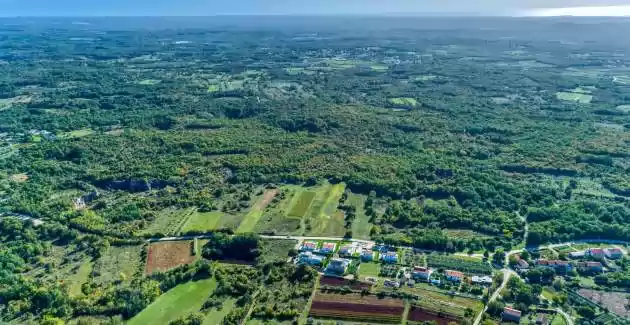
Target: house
511,315
577,254
328,248
391,283
390,257
591,266
613,253
541,319
423,273
367,255
483,280
347,250
310,259
522,264
338,266
558,265
455,276
596,253
309,246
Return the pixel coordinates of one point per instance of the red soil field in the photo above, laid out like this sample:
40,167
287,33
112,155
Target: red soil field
356,307
420,315
167,255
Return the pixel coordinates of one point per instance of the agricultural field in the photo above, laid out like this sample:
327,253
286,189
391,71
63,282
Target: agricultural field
177,302
170,221
164,256
437,300
303,203
361,226
276,249
216,315
411,258
118,263
370,269
323,218
255,213
615,302
75,134
623,108
624,80
357,307
465,234
203,221
419,314
403,102
340,282
468,265
81,276
574,97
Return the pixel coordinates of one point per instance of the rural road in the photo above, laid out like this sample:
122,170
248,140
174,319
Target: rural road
507,274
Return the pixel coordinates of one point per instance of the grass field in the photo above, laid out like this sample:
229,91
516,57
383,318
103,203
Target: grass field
361,226
118,262
404,101
574,97
624,108
369,269
179,301
75,134
215,316
169,221
276,217
302,204
465,234
79,278
323,214
149,82
441,301
558,320
203,221
256,211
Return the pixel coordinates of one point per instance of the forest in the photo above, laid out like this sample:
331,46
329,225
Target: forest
448,135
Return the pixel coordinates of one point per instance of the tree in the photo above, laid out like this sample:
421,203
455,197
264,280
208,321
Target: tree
495,308
499,257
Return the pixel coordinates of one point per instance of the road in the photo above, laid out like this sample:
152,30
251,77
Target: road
507,274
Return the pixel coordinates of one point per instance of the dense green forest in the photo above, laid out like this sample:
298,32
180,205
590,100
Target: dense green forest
479,126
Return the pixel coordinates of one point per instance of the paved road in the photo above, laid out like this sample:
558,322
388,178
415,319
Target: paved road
507,274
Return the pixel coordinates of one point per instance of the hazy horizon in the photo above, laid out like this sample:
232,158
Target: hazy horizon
510,8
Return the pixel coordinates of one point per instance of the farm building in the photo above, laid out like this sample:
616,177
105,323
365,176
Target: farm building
310,259
423,273
367,255
595,253
613,253
483,280
511,315
455,276
338,266
522,264
328,248
347,250
390,257
580,254
309,246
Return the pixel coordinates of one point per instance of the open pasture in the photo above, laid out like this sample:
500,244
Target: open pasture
256,211
170,220
118,263
323,215
301,206
574,97
164,256
203,221
403,101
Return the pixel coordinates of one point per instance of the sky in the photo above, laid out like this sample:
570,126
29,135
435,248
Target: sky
311,7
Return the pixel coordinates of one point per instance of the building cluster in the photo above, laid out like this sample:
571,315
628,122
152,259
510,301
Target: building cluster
591,260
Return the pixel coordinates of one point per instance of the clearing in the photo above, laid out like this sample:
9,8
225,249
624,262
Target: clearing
19,178
369,270
624,108
75,134
574,97
323,217
76,281
180,301
167,255
254,214
215,316
118,263
403,101
149,82
302,204
169,221
614,301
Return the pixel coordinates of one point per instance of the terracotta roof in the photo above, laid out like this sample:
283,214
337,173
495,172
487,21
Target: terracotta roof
456,274
596,251
512,312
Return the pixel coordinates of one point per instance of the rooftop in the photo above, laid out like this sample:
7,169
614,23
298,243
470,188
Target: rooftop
512,312
455,273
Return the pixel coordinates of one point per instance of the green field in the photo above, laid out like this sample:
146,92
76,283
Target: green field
256,211
215,316
177,302
276,216
302,204
624,108
203,221
323,215
76,281
404,101
434,299
369,269
118,263
361,226
75,134
425,78
169,221
149,82
558,320
574,97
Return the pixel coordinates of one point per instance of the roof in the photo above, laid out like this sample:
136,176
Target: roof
512,312
309,244
613,250
420,269
523,263
391,254
456,274
329,245
594,264
367,252
596,251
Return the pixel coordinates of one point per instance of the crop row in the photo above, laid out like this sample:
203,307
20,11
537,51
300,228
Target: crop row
421,315
460,264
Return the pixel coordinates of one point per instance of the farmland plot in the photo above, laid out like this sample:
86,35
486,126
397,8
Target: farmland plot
203,221
459,263
302,204
574,97
357,307
167,255
169,221
418,314
614,301
252,217
118,262
323,215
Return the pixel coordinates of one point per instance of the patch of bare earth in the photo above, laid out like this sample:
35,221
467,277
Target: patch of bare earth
168,255
266,199
19,178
